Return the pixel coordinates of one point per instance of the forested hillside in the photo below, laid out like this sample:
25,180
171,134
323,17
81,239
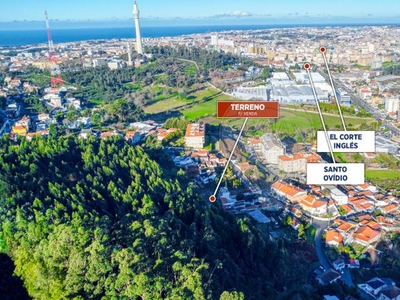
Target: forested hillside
100,219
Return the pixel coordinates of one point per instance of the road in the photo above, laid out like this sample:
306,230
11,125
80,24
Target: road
346,277
320,226
364,105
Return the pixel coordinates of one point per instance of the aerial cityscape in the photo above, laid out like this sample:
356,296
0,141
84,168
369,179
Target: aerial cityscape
256,157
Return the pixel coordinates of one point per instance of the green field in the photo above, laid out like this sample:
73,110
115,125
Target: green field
291,121
387,174
207,105
164,105
202,103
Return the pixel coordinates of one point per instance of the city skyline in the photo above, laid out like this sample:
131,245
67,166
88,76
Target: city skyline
207,11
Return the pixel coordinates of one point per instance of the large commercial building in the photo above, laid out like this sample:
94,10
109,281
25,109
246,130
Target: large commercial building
195,136
385,145
298,94
343,97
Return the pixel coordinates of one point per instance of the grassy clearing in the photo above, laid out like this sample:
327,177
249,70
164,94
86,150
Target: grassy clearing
292,121
191,70
132,86
40,79
95,103
205,103
386,174
206,108
164,105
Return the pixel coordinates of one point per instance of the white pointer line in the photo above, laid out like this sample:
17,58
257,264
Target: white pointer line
230,157
333,89
320,114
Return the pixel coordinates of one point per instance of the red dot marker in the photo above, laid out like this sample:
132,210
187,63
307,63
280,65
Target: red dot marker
212,198
307,66
322,49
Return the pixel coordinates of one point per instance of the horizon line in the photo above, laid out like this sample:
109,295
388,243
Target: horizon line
291,24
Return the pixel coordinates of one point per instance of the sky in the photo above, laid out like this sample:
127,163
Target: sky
20,13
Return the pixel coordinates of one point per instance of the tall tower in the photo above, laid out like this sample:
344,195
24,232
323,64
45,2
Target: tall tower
139,48
129,55
55,71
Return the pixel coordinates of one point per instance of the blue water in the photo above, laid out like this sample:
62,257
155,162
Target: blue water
32,37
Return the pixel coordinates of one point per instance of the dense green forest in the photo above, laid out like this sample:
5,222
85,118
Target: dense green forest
99,219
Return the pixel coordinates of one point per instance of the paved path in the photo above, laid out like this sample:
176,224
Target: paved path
320,226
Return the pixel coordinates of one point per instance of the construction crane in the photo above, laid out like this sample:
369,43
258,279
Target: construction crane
55,71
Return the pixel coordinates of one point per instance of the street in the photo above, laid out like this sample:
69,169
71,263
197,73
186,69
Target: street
320,226
364,105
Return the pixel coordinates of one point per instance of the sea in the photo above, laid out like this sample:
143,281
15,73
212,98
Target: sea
12,38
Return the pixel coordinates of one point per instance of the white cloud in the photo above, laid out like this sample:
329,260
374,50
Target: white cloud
235,14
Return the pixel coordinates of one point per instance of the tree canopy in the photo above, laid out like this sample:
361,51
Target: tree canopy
100,219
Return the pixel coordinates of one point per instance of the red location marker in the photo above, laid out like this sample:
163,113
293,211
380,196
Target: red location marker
307,66
212,198
322,49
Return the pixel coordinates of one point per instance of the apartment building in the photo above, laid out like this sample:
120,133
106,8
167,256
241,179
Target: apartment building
272,148
195,136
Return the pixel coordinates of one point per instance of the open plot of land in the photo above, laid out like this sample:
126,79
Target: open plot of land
291,121
207,105
199,104
388,174
164,105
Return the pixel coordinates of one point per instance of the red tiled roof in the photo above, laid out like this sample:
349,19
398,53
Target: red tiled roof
366,234
254,141
390,207
380,219
202,152
333,236
129,134
365,185
313,158
346,226
194,130
347,207
107,134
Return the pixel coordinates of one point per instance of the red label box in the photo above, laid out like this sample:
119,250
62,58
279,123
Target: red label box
247,109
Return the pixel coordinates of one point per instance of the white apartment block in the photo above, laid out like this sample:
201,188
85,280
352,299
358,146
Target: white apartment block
271,147
392,104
